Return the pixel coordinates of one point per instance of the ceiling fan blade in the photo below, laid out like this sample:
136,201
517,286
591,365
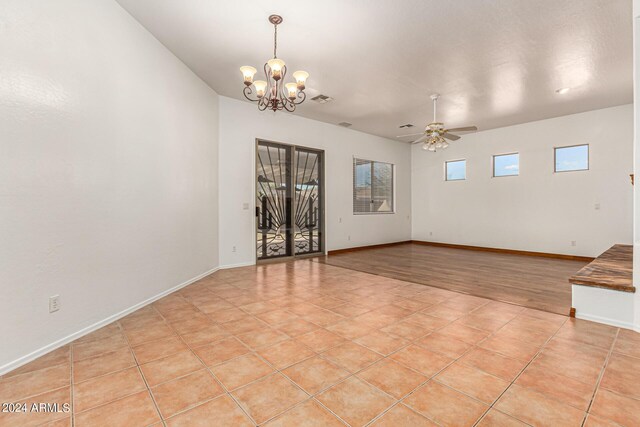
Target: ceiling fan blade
463,129
409,134
424,137
451,136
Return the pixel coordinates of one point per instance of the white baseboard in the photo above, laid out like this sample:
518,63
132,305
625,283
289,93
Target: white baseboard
607,321
84,331
240,264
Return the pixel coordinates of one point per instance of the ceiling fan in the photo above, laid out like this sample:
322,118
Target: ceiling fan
435,135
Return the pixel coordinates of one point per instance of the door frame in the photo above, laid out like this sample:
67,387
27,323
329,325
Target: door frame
292,212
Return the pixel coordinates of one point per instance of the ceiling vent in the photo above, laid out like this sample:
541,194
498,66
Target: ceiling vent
345,124
408,125
322,99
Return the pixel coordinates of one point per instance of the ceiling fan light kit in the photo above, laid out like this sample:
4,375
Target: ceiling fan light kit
435,135
272,93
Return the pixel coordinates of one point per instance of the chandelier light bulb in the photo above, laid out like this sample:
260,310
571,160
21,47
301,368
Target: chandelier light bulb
261,87
425,145
248,73
276,66
292,90
301,78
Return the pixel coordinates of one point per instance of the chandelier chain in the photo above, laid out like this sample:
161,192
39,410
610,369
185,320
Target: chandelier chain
275,39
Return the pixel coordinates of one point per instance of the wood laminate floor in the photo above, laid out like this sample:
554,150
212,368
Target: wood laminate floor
534,282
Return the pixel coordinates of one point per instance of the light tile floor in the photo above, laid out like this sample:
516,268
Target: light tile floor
305,344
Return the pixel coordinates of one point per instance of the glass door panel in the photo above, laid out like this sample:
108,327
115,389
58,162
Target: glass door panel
308,203
289,201
274,200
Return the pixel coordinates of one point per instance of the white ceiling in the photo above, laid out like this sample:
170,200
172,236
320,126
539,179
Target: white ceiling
495,62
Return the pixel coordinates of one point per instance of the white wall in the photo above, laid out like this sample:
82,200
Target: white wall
108,180
539,210
636,159
241,123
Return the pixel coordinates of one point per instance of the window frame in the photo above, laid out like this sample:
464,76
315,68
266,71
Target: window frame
393,185
555,154
493,165
446,166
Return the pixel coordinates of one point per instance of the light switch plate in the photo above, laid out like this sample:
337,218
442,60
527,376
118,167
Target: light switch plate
54,303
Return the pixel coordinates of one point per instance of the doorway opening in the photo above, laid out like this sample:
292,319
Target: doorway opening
289,201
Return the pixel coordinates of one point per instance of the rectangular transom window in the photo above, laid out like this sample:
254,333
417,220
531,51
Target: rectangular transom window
455,170
506,164
574,158
372,187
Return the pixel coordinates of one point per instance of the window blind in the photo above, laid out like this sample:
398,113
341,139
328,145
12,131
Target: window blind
372,187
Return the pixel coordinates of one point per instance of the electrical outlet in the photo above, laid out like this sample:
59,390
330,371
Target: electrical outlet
348,237
54,303
340,220
245,206
233,249
597,206
431,233
573,243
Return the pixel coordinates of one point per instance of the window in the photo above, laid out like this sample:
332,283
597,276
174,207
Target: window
506,164
372,187
574,158
455,170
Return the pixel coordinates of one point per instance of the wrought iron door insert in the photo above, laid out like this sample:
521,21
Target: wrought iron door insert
289,203
308,203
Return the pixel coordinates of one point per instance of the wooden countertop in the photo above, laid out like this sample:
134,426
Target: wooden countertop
612,270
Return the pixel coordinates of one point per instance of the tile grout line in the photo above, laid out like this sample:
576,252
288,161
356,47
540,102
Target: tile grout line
454,360
492,406
413,342
586,413
72,384
279,371
104,375
601,375
208,368
254,351
313,396
324,327
430,378
153,399
329,410
323,294
410,343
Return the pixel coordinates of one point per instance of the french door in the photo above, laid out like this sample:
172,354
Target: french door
289,200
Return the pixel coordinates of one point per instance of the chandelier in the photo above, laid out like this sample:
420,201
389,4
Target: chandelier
273,93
